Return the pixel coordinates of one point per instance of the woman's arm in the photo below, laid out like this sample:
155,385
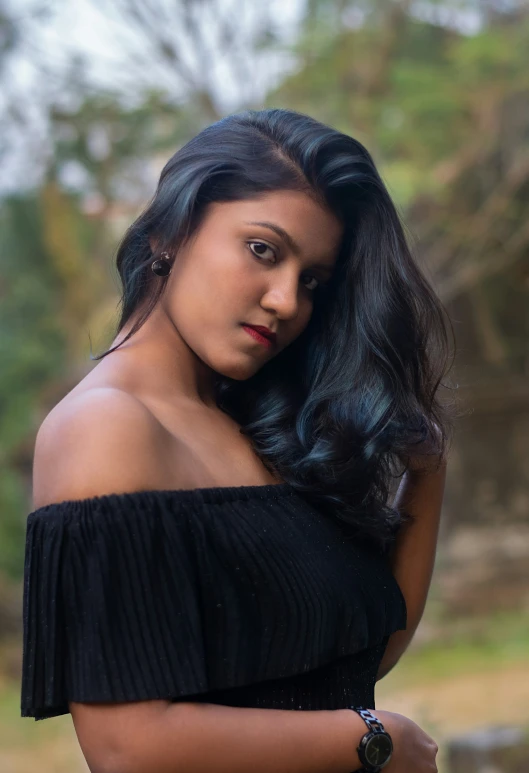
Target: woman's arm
194,737
413,556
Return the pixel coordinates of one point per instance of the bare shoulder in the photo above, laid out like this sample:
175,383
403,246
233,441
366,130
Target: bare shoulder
100,441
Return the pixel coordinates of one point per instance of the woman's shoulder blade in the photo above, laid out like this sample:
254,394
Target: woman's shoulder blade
98,442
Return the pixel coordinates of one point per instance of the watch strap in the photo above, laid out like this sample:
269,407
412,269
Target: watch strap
374,726
371,721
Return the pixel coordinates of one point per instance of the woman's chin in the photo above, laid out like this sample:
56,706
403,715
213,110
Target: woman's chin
244,369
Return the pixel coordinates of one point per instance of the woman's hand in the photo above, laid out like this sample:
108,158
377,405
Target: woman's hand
413,749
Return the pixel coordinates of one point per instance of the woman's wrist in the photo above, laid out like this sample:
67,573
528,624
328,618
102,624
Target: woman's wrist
352,729
393,725
355,728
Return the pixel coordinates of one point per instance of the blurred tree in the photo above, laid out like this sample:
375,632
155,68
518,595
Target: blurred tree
209,53
31,351
21,104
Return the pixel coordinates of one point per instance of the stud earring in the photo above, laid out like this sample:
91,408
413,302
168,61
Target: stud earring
162,266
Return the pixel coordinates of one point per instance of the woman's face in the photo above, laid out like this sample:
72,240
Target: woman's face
253,262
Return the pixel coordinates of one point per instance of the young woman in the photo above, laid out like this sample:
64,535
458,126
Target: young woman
214,576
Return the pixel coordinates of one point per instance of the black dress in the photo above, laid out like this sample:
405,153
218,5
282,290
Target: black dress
244,596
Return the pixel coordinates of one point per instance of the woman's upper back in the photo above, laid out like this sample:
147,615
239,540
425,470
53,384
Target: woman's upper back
104,440
99,441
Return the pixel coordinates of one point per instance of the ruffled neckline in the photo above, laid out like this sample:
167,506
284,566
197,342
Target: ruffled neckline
204,495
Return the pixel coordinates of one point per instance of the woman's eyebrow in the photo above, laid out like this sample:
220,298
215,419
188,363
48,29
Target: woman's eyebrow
294,246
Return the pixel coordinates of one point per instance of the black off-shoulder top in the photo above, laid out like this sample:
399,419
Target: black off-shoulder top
244,596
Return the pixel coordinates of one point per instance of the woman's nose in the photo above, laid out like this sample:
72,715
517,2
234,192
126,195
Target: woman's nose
282,297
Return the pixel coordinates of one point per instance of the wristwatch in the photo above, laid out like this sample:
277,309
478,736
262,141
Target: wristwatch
376,747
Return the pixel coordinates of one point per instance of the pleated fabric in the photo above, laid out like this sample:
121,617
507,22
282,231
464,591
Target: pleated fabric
244,595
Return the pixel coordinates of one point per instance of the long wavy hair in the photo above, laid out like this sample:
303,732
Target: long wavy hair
340,411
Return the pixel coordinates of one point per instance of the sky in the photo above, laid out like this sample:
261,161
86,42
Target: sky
87,26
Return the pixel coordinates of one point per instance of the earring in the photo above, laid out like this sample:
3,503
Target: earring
162,266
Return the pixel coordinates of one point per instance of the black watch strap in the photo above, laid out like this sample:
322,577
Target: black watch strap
371,721
374,726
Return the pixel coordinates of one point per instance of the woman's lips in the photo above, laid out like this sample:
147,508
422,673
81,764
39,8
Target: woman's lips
259,337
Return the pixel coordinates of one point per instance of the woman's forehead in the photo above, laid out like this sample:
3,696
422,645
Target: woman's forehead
306,223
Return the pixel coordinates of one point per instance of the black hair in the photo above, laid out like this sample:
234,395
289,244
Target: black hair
339,412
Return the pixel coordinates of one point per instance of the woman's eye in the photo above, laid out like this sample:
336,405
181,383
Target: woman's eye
259,249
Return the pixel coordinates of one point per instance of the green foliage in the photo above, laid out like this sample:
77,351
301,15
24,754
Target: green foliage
31,341
13,503
31,352
495,57
108,138
410,93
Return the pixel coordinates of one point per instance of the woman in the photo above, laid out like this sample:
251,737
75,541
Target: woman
214,576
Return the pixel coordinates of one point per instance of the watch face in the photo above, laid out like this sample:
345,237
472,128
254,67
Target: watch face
378,749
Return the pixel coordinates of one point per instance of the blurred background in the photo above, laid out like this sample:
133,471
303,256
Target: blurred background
96,95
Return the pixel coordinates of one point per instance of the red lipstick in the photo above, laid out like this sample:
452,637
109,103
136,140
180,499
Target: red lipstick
262,334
